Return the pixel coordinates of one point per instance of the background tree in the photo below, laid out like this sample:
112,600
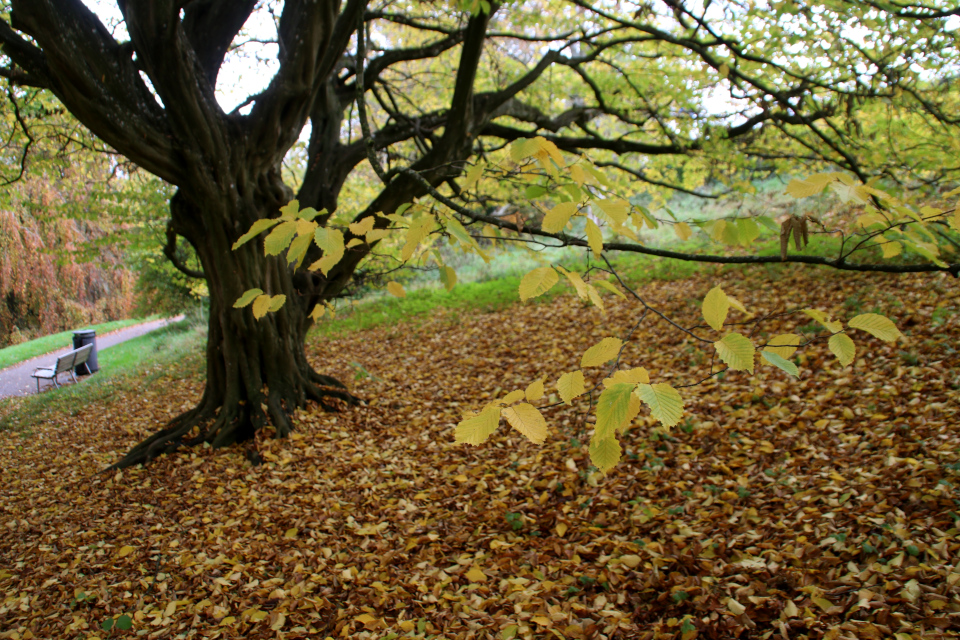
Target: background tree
630,85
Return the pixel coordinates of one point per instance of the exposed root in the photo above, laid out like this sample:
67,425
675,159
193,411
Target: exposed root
224,423
325,381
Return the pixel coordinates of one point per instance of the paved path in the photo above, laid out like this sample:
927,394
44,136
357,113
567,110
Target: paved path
16,380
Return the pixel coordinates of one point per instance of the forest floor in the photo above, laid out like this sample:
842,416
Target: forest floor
824,507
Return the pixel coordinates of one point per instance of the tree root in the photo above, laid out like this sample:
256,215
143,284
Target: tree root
227,425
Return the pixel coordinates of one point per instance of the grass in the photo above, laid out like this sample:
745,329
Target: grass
24,351
137,362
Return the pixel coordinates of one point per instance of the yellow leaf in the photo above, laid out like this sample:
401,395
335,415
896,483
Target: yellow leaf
664,401
526,419
125,551
513,396
396,289
561,529
261,304
276,302
247,297
735,607
630,376
683,231
595,298
331,241
473,176
290,534
279,239
279,622
578,284
876,325
570,385
448,277
736,304
363,226
594,237
891,248
784,345
824,320
717,229
535,391
542,621
609,286
365,619
842,346
538,282
605,453
354,242
318,311
523,149
377,234
476,429
170,609
812,185
604,351
550,149
556,219
790,610
736,351
417,232
616,209
715,307
631,560
256,229
475,575
258,615
226,622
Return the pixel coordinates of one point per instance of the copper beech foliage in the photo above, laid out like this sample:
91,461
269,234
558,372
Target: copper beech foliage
580,192
822,507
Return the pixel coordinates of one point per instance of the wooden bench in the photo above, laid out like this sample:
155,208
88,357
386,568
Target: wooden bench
67,362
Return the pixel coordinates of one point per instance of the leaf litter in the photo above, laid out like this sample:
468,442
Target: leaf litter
824,507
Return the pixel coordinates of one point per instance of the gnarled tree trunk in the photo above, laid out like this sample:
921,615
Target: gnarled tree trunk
257,370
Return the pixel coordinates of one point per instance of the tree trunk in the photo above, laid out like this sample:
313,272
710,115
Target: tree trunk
257,370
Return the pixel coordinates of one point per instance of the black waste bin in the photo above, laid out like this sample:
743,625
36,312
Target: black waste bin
82,339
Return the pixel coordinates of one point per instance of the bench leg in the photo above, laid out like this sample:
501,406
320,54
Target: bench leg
38,385
55,381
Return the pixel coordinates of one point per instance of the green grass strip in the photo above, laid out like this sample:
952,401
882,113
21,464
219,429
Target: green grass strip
19,352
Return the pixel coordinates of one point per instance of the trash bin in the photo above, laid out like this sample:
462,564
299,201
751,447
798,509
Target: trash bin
82,339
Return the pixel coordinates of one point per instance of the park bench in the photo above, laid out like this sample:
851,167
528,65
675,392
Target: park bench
67,362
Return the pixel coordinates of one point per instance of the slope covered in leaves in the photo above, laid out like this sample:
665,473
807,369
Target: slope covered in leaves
818,507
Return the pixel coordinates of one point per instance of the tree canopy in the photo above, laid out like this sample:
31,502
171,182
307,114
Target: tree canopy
448,114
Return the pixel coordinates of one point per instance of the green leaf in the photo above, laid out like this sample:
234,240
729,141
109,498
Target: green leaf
748,230
842,346
538,282
736,351
107,624
276,302
605,453
298,249
823,319
613,410
256,229
279,239
534,191
664,401
876,325
570,385
715,308
246,298
476,429
779,361
604,351
124,623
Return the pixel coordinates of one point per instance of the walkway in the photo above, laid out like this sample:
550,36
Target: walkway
16,380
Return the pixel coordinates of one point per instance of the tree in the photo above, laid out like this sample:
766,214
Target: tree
627,84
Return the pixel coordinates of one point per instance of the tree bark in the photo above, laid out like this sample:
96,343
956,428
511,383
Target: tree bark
257,370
